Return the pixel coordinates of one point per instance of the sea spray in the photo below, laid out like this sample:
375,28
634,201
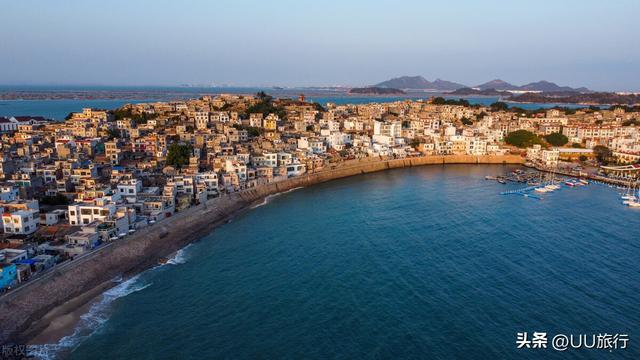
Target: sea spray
91,322
180,257
268,198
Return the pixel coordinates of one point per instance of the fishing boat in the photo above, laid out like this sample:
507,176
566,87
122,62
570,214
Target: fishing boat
583,181
541,189
569,183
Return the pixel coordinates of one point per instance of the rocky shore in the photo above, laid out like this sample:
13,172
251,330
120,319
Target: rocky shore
27,311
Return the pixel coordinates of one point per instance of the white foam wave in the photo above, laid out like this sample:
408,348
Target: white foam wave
180,257
91,322
268,198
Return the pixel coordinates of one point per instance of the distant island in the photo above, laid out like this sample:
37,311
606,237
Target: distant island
477,92
373,90
600,98
420,83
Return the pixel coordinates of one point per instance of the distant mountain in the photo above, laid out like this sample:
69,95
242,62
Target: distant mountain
484,92
545,86
497,84
372,90
419,83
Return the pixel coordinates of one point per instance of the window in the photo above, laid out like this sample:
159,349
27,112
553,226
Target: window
85,221
85,211
96,211
72,213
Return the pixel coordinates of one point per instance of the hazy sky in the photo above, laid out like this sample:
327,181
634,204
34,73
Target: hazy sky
324,42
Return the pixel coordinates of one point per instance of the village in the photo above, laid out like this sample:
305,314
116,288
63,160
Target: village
73,186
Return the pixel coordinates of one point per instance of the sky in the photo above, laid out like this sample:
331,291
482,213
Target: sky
324,42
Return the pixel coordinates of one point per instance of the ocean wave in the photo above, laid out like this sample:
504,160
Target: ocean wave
91,322
268,198
180,257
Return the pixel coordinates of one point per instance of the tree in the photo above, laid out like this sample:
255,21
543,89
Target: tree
113,133
319,107
254,131
556,139
582,158
179,155
603,154
57,199
499,106
577,146
522,138
442,101
466,121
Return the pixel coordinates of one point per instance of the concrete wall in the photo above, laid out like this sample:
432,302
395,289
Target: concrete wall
21,308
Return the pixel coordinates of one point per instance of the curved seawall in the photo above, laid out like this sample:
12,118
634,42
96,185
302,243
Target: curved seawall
21,310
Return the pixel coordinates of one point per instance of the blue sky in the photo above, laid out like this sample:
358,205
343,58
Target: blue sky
247,42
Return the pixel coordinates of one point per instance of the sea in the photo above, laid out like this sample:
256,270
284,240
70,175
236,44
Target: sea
418,263
59,109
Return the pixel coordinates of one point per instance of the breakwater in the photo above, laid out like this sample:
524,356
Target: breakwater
21,310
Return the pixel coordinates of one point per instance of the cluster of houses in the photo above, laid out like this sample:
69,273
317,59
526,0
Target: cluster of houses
68,187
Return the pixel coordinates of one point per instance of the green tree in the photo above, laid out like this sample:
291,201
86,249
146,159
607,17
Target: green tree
499,106
179,154
577,146
466,121
319,107
582,158
603,154
255,131
556,139
522,138
57,199
442,101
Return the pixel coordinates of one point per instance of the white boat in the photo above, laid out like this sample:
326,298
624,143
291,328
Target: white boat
569,183
541,189
633,204
584,181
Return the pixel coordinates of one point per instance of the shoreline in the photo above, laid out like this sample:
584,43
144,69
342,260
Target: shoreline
32,311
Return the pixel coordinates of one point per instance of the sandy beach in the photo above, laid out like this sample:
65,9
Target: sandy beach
63,319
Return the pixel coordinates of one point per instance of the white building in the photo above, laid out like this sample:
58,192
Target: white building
23,222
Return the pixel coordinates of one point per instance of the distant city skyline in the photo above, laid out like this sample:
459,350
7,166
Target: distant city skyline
294,44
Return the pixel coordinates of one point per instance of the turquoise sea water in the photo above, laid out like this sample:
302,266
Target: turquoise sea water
58,109
420,263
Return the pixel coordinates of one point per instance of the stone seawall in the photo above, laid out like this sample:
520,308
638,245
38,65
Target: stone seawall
21,309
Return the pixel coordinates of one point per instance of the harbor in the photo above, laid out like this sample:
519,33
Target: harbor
543,181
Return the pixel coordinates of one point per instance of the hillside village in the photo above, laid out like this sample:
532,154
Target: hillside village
70,187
